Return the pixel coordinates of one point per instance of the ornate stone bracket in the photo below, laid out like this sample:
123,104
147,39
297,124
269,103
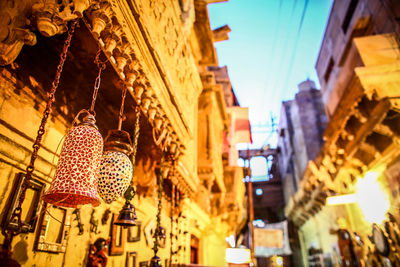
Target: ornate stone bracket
13,31
50,16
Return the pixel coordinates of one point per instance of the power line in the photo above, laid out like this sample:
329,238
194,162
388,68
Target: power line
295,45
285,44
273,44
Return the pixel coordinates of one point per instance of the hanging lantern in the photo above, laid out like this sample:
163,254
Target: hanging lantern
160,233
155,262
116,168
75,181
127,216
115,172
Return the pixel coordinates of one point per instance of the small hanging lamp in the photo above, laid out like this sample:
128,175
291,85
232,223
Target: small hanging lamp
75,181
155,261
127,216
115,172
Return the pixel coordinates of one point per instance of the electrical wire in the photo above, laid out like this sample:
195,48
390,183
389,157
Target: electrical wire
272,51
285,44
289,73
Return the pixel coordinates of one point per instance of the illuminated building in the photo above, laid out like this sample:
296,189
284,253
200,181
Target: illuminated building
161,52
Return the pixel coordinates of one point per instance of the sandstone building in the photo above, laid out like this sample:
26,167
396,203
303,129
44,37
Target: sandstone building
346,203
161,51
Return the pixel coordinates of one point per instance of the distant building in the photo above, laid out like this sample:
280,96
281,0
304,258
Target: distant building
339,54
359,72
301,125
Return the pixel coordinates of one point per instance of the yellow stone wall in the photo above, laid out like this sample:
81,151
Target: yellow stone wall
168,51
19,118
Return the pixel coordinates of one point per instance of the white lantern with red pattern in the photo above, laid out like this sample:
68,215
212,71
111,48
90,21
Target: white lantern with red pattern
75,181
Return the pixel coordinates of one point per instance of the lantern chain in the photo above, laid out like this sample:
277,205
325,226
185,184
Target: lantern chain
36,146
172,224
136,136
160,190
121,116
130,192
101,65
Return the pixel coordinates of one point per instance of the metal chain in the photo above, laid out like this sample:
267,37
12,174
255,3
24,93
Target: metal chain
121,110
36,146
179,224
101,66
160,191
136,136
130,192
171,250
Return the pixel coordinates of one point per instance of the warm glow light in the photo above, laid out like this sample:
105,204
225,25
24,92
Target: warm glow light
279,261
259,223
371,199
231,240
259,191
341,199
238,255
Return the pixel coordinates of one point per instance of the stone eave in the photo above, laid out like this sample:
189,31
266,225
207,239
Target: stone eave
204,33
365,136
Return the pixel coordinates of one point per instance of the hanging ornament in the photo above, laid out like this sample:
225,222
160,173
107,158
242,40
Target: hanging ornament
160,233
155,261
75,181
127,216
5,250
172,213
115,173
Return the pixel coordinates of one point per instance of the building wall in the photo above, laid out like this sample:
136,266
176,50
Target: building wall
149,47
285,157
338,57
301,126
358,54
299,144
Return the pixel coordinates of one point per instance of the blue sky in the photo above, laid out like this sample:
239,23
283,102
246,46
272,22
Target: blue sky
273,47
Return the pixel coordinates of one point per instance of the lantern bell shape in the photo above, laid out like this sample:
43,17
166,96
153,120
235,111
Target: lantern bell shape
155,261
75,181
127,216
115,173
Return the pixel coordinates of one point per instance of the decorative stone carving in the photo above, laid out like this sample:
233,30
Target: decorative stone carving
100,16
13,34
52,16
121,54
168,40
173,55
221,33
187,14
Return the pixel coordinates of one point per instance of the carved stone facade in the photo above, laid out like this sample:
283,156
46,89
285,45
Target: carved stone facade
160,50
